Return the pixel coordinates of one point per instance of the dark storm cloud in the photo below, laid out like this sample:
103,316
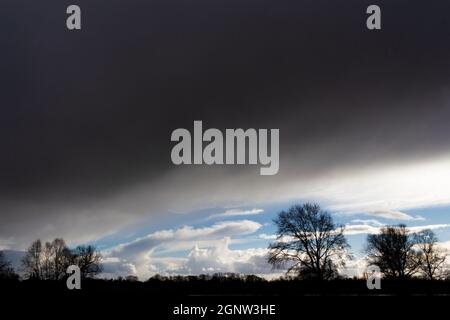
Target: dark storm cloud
86,116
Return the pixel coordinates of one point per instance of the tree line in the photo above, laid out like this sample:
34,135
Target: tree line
49,261
311,246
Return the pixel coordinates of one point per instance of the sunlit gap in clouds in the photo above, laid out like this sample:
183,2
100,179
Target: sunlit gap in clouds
377,189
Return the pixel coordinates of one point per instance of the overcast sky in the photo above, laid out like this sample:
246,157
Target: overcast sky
86,118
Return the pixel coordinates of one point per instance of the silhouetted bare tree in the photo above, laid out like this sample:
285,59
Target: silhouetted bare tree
308,243
61,257
88,259
32,261
6,270
432,257
51,261
55,259
394,251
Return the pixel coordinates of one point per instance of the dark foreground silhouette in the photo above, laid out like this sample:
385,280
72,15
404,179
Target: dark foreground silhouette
251,285
158,299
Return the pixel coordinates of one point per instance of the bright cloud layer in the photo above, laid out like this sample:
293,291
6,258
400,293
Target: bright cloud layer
142,253
236,212
222,259
366,228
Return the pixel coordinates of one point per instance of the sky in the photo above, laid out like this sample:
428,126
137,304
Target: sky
86,118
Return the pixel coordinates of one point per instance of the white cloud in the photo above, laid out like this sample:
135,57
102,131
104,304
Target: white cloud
141,252
367,227
445,245
393,188
394,215
369,222
187,233
114,267
267,236
354,267
431,227
222,259
236,212
352,229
